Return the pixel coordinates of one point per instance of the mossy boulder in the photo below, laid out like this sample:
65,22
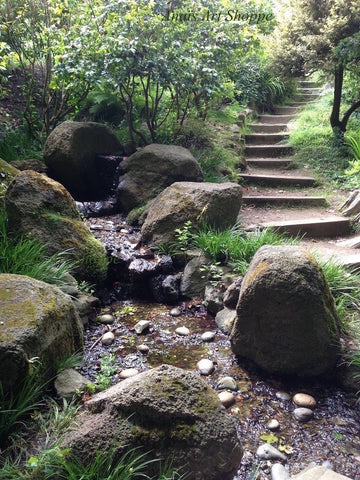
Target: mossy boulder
286,318
75,154
147,172
42,208
217,204
171,412
7,174
37,320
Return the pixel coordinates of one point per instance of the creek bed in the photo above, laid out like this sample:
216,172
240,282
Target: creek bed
333,434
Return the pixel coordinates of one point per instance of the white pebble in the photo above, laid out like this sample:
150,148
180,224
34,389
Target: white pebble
303,414
106,318
227,383
175,312
279,472
208,336
205,366
226,398
108,338
268,452
273,424
183,331
141,326
128,372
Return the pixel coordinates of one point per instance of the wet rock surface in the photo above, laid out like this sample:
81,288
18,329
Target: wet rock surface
332,435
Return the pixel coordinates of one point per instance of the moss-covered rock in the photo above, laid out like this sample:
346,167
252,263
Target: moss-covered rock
218,204
171,412
75,154
7,174
43,209
286,318
37,320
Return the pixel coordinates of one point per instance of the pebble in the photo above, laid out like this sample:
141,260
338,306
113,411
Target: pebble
105,319
208,336
303,414
226,398
183,331
205,366
304,400
279,472
128,372
108,338
141,326
227,383
143,348
175,312
273,424
282,396
268,452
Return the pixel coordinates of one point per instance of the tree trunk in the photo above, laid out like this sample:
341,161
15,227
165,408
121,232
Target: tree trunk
335,121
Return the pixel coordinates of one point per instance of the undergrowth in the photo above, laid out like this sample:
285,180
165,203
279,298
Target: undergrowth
27,256
315,145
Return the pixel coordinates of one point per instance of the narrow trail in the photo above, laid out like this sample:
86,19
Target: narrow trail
278,193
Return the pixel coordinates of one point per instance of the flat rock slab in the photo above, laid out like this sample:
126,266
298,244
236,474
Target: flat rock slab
319,473
321,227
278,179
284,200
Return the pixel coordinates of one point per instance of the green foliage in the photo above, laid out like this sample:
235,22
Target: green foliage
15,407
26,256
353,143
19,145
108,368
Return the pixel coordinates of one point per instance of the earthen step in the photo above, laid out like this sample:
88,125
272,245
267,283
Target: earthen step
268,127
275,119
322,227
269,162
305,96
278,180
265,138
268,150
308,84
284,200
285,110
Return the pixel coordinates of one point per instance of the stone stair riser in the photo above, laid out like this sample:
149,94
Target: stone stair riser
268,128
265,138
284,201
268,150
313,229
276,119
285,110
301,97
269,162
277,181
307,84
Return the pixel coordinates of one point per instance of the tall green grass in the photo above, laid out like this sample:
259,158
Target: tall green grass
26,256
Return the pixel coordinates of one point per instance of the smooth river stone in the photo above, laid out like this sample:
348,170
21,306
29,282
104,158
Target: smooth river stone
227,383
108,338
227,399
279,472
128,372
106,318
268,452
175,312
303,414
273,424
183,331
282,396
143,348
304,400
205,366
141,326
208,336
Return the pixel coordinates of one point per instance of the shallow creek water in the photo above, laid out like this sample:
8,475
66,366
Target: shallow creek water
333,434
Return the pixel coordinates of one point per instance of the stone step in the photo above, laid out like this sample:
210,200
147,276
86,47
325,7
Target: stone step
269,162
297,104
301,97
314,90
276,119
268,150
268,127
278,180
265,138
308,84
322,227
284,200
285,110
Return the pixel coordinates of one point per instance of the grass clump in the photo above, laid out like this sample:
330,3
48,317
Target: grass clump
26,256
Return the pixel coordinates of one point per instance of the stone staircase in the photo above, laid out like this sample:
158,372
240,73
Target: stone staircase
297,208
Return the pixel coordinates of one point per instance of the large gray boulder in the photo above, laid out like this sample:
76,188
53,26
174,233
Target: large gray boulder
218,204
147,172
286,319
169,412
43,209
72,154
37,320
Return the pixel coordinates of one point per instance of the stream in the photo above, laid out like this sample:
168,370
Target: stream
332,435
